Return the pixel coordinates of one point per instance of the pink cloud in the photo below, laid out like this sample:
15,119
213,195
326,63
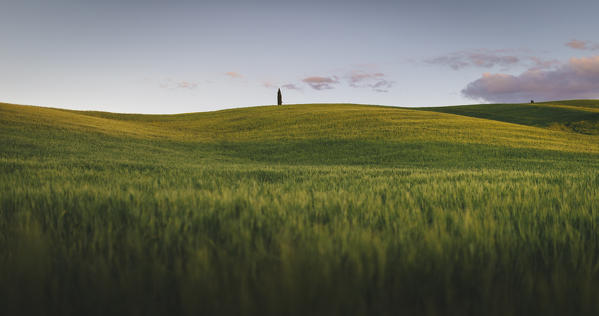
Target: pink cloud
539,63
357,76
577,79
168,84
576,44
587,67
291,86
484,58
233,74
288,86
268,84
321,83
376,81
187,85
582,45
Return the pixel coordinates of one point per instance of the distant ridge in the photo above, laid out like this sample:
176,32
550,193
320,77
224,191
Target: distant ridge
562,125
580,116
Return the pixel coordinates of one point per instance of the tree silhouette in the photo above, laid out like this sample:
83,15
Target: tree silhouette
279,98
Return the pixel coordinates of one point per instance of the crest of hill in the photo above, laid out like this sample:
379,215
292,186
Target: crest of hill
546,126
580,116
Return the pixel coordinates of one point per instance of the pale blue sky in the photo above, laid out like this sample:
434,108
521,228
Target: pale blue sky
189,56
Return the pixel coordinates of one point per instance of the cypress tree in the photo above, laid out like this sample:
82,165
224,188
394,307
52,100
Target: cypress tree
279,98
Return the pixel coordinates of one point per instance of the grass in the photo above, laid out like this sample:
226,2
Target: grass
581,116
300,209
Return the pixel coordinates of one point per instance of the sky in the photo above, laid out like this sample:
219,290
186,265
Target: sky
134,56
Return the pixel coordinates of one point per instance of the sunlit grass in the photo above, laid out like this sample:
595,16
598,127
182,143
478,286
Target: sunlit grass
581,116
296,122
304,209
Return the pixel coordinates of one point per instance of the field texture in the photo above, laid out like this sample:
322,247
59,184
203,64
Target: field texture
301,210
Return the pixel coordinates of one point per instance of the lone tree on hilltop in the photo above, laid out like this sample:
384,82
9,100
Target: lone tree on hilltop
279,98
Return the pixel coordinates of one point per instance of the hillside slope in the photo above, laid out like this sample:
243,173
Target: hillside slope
331,209
331,121
305,134
580,116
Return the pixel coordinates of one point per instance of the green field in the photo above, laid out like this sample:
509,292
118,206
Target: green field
322,209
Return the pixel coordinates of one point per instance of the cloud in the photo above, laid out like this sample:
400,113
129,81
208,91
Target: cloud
476,58
539,63
233,74
321,83
484,58
357,76
576,44
582,45
376,81
187,85
577,79
291,86
268,84
169,83
288,86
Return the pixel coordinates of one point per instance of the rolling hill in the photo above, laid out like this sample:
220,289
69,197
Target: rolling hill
316,209
580,116
317,133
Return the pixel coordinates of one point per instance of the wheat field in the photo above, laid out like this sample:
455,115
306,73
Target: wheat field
318,209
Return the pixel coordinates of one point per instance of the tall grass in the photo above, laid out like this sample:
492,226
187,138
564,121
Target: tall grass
109,223
581,116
